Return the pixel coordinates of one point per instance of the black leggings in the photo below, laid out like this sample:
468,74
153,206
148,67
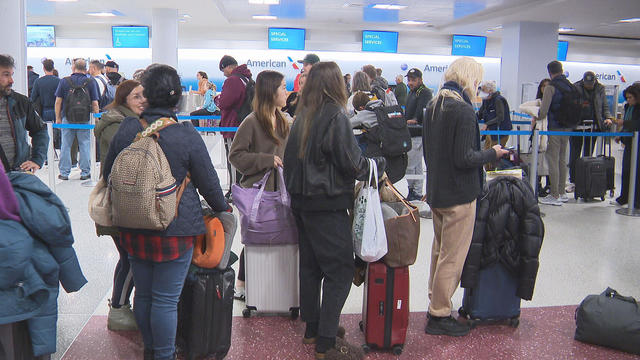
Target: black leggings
200,112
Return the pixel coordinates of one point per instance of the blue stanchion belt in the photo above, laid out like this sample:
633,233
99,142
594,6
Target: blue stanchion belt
74,126
521,114
557,133
203,117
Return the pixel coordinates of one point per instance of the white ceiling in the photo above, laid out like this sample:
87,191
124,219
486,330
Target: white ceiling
588,17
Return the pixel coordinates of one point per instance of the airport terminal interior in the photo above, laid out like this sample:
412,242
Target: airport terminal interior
588,246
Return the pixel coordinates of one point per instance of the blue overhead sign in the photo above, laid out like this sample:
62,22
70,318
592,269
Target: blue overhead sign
130,36
563,48
468,45
380,41
286,38
41,36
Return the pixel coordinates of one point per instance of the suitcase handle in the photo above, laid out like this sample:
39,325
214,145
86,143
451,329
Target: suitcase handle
381,308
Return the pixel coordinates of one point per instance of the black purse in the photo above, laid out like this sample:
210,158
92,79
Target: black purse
611,320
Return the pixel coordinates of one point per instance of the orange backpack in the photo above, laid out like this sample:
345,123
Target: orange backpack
207,254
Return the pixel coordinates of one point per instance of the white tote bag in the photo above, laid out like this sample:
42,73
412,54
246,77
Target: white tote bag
369,236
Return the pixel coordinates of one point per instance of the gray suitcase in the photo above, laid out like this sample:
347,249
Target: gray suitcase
271,279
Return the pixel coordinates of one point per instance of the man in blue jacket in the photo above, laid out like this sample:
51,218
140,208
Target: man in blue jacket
17,116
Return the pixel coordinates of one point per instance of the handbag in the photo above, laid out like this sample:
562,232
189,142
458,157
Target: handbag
611,320
265,216
100,204
403,231
369,237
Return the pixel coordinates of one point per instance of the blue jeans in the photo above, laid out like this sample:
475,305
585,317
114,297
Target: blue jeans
158,288
84,147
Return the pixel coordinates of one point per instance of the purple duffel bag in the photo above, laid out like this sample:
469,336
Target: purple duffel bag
265,216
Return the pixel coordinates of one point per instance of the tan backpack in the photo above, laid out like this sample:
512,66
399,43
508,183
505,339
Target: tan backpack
144,193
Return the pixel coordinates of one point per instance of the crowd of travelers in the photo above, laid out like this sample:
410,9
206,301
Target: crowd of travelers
309,133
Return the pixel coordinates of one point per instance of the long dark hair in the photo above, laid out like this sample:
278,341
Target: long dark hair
544,82
122,91
264,104
324,85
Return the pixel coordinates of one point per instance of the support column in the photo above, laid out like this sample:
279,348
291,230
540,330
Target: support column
13,28
164,37
527,48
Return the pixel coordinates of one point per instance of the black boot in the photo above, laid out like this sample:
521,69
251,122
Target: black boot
446,326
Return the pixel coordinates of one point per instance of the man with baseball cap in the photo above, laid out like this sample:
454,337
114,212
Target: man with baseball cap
417,100
111,69
595,110
307,63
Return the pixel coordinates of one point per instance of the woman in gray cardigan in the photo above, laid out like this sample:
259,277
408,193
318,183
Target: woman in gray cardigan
259,143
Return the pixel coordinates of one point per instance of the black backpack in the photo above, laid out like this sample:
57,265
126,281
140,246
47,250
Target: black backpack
77,103
392,134
247,105
568,114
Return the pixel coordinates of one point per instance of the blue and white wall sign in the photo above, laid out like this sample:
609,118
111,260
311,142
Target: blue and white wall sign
468,45
380,41
286,38
130,36
41,36
563,48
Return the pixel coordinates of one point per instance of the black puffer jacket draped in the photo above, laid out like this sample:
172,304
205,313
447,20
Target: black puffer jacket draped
508,230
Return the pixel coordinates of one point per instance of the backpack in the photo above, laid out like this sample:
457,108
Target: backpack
247,105
77,103
144,193
386,95
391,134
108,95
570,109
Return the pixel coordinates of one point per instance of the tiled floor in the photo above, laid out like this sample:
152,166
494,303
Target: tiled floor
587,247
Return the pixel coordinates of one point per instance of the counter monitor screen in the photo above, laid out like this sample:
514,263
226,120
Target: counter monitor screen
468,45
286,38
41,36
380,41
130,36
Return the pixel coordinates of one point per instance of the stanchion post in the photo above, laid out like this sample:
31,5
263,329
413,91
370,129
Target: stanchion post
51,166
533,170
92,140
631,210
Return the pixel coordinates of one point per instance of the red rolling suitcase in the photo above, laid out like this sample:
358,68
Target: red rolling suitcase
385,307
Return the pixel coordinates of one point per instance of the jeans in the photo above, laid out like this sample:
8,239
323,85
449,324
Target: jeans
556,158
158,288
415,165
84,144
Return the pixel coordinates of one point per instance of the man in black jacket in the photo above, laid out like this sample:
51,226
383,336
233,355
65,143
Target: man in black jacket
417,101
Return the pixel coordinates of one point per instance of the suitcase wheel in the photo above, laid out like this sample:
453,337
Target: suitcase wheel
397,350
514,322
295,312
366,348
361,324
246,313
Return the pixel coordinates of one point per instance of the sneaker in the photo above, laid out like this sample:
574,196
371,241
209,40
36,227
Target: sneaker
239,293
63,177
85,177
343,350
121,319
446,326
563,198
571,187
312,340
550,200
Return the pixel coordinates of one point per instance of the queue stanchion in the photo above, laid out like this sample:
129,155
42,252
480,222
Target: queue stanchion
533,170
92,140
51,153
631,210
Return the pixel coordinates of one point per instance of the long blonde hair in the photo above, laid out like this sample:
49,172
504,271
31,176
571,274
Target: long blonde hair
467,73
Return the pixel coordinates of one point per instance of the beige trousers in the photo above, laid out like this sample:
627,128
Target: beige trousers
453,229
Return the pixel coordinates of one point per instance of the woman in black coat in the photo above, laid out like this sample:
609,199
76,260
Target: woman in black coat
630,122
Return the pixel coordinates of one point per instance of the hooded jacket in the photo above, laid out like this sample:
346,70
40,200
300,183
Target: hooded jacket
108,125
231,98
600,103
366,118
508,230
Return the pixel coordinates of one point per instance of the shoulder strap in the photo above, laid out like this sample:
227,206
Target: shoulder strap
154,127
103,83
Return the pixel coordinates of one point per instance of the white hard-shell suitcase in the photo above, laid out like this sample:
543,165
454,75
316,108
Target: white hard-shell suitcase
271,279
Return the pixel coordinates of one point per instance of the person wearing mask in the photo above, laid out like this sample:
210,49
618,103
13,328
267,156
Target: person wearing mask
495,114
129,102
307,63
595,108
360,83
160,259
32,76
400,91
629,123
258,146
417,101
111,69
321,163
44,92
455,180
17,117
203,81
556,153
209,107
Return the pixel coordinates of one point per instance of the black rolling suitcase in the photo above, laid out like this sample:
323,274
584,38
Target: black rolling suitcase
594,176
205,313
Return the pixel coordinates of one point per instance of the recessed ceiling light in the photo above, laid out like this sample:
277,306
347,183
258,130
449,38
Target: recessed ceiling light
566,29
413,22
499,27
182,20
389,6
62,0
489,31
264,17
186,16
630,20
101,14
351,5
264,2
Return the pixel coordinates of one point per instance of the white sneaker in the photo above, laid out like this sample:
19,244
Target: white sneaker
550,200
570,188
563,198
